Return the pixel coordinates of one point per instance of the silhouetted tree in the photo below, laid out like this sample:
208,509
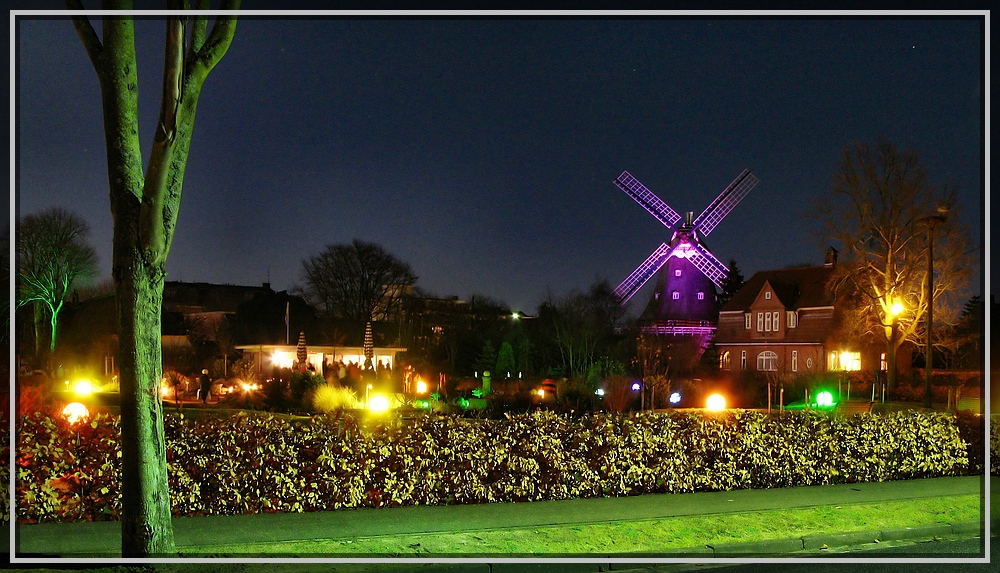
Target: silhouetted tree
52,257
144,208
358,282
731,284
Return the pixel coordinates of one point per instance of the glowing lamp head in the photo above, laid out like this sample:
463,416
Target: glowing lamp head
421,386
636,386
75,412
378,403
83,387
599,391
675,397
824,399
715,402
897,308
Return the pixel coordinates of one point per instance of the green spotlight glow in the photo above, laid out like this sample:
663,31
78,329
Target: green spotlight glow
824,399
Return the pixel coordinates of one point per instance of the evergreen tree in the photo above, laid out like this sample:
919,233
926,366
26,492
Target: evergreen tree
487,357
505,361
731,284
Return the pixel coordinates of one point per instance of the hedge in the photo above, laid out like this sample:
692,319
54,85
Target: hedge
260,463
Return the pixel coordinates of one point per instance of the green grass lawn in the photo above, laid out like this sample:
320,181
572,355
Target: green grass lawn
661,535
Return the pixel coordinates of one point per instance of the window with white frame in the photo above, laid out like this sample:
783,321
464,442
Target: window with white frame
743,360
791,319
767,295
747,319
760,322
767,322
775,320
795,361
767,361
724,361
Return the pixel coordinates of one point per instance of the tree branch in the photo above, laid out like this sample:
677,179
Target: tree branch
217,43
87,34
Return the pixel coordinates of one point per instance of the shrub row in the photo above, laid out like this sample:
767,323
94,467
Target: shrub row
259,463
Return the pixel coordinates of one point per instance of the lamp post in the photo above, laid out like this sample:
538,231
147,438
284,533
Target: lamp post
931,221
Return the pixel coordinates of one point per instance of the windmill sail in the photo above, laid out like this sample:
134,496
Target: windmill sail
649,201
639,276
725,202
706,262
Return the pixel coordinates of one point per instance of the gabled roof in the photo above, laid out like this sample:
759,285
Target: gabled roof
799,287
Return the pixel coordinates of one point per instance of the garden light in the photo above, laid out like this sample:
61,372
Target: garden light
824,399
716,402
84,387
675,397
636,386
421,386
599,391
75,412
378,403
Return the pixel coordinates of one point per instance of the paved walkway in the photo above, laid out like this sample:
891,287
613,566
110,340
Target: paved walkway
90,538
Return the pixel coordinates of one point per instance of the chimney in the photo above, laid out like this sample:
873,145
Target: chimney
831,257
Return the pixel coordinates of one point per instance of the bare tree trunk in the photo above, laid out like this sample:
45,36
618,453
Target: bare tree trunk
146,528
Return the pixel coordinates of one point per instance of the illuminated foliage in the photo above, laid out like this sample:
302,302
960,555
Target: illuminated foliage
260,463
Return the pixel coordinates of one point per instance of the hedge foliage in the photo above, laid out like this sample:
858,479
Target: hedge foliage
260,463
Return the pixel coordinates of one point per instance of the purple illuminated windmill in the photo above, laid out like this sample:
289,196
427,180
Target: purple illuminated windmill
685,301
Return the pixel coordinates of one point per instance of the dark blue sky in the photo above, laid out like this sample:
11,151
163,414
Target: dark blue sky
483,152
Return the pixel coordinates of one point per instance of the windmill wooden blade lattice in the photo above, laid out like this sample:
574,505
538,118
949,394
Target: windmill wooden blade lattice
639,276
643,196
725,202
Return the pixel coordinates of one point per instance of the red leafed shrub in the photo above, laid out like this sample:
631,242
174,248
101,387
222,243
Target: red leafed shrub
262,463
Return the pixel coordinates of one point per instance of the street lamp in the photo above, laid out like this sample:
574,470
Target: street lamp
931,221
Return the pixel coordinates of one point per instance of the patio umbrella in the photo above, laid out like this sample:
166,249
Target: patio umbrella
369,342
300,350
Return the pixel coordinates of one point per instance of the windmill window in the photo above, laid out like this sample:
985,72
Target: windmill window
676,295
701,295
767,361
656,296
677,272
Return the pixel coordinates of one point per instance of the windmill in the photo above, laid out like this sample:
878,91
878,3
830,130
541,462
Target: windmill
685,301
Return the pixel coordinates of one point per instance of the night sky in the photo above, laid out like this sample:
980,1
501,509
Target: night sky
483,151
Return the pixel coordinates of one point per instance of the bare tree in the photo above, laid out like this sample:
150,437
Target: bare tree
877,212
52,257
358,282
144,208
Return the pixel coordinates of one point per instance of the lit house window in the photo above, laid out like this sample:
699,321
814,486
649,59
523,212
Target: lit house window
724,361
849,361
767,361
676,295
747,320
882,364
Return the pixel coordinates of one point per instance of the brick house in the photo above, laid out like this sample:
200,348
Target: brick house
785,321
